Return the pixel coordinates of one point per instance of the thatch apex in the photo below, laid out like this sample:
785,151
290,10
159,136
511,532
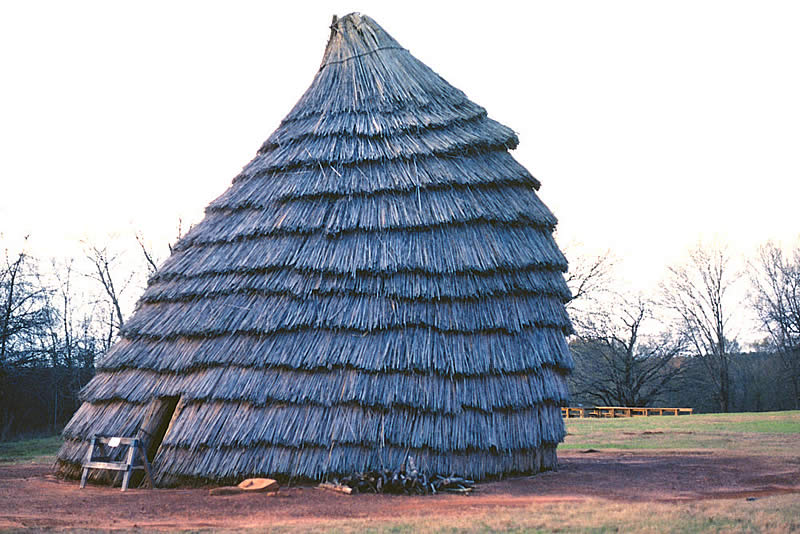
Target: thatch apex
355,35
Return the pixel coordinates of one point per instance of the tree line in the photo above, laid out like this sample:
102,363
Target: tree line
680,346
676,347
57,319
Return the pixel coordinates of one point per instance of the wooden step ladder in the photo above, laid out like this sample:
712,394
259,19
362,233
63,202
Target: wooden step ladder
135,447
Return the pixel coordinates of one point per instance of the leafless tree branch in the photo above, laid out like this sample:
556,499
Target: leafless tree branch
697,293
775,296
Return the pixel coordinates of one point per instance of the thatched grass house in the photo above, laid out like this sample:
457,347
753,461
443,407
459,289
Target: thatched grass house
380,281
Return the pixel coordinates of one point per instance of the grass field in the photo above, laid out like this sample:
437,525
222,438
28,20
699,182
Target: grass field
775,435
38,449
751,433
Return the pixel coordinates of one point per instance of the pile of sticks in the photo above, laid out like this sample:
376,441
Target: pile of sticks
409,481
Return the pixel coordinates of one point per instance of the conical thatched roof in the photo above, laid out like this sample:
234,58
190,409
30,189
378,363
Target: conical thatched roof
380,281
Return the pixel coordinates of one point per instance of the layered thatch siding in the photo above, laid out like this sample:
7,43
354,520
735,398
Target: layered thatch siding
380,281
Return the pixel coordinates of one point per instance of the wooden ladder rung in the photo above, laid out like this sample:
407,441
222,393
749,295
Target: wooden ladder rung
112,466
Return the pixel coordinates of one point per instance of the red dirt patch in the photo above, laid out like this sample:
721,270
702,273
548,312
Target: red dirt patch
31,497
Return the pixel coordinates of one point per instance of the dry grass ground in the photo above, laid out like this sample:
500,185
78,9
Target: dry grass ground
775,514
709,473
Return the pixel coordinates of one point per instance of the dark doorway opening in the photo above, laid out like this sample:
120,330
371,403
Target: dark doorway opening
156,422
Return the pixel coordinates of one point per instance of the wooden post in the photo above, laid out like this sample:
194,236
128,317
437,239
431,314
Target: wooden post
89,453
146,465
129,460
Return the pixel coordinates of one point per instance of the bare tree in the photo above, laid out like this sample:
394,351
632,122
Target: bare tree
590,280
589,276
179,234
617,363
74,332
698,293
106,272
775,279
23,310
149,257
24,318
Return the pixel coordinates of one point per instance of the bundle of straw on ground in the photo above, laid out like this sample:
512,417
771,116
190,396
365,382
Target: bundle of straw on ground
380,282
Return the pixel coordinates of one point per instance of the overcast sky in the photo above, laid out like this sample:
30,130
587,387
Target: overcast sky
651,125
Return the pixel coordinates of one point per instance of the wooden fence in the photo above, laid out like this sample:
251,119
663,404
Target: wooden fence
617,411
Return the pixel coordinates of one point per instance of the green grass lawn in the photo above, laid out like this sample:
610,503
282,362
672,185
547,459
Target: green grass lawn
767,433
38,449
